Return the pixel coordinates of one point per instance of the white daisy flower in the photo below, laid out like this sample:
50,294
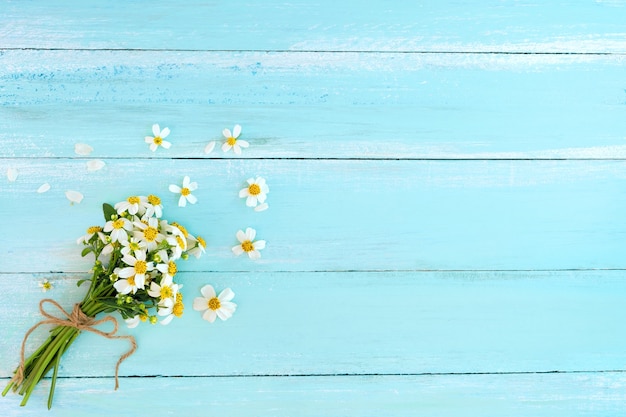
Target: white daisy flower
134,275
154,208
199,249
166,290
119,229
168,268
133,245
232,141
149,233
215,306
248,245
131,205
90,233
255,192
45,285
185,191
157,140
174,309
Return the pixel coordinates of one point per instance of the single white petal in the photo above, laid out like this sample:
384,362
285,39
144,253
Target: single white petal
175,188
262,197
166,144
12,174
250,234
223,315
236,148
209,315
226,295
95,165
254,254
182,201
207,292
200,304
149,139
236,131
259,244
209,147
186,181
250,181
126,272
241,236
153,147
167,320
122,286
165,132
251,201
193,186
244,192
192,199
74,196
156,130
262,207
133,322
237,250
260,181
243,143
226,147
229,306
82,149
226,133
44,187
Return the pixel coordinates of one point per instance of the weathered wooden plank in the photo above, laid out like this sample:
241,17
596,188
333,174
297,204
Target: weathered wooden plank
550,395
511,26
354,323
337,215
313,105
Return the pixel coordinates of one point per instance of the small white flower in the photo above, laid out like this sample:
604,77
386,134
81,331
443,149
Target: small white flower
209,147
220,306
157,140
90,233
165,290
95,165
248,245
82,149
149,233
119,229
45,285
255,192
44,187
185,191
131,204
132,245
12,174
74,196
154,208
134,274
232,141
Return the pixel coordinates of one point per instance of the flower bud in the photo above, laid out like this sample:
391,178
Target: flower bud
153,319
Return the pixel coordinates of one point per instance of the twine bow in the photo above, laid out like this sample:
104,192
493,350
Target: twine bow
80,321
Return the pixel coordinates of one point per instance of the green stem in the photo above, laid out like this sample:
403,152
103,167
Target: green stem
54,377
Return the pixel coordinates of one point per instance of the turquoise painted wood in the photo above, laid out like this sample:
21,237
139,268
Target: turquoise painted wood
445,231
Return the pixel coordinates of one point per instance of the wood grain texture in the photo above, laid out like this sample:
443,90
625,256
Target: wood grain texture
314,105
567,395
338,215
474,26
355,323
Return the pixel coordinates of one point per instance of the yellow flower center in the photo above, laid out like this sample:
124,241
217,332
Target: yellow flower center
158,140
150,233
180,242
131,281
133,199
171,268
201,242
181,228
94,229
47,285
118,224
214,303
247,246
254,189
178,308
231,141
185,191
143,318
154,200
166,292
141,267
134,246
179,297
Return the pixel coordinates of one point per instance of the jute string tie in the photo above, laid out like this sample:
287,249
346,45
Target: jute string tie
80,321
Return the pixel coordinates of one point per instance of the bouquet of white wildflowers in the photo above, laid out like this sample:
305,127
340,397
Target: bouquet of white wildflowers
134,274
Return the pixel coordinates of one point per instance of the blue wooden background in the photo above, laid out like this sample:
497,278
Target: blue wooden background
446,223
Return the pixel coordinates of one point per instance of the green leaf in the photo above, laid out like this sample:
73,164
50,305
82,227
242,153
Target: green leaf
80,282
86,251
108,211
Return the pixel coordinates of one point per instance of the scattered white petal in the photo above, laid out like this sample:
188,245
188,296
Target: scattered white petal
12,174
209,147
261,207
74,196
44,187
95,165
82,149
